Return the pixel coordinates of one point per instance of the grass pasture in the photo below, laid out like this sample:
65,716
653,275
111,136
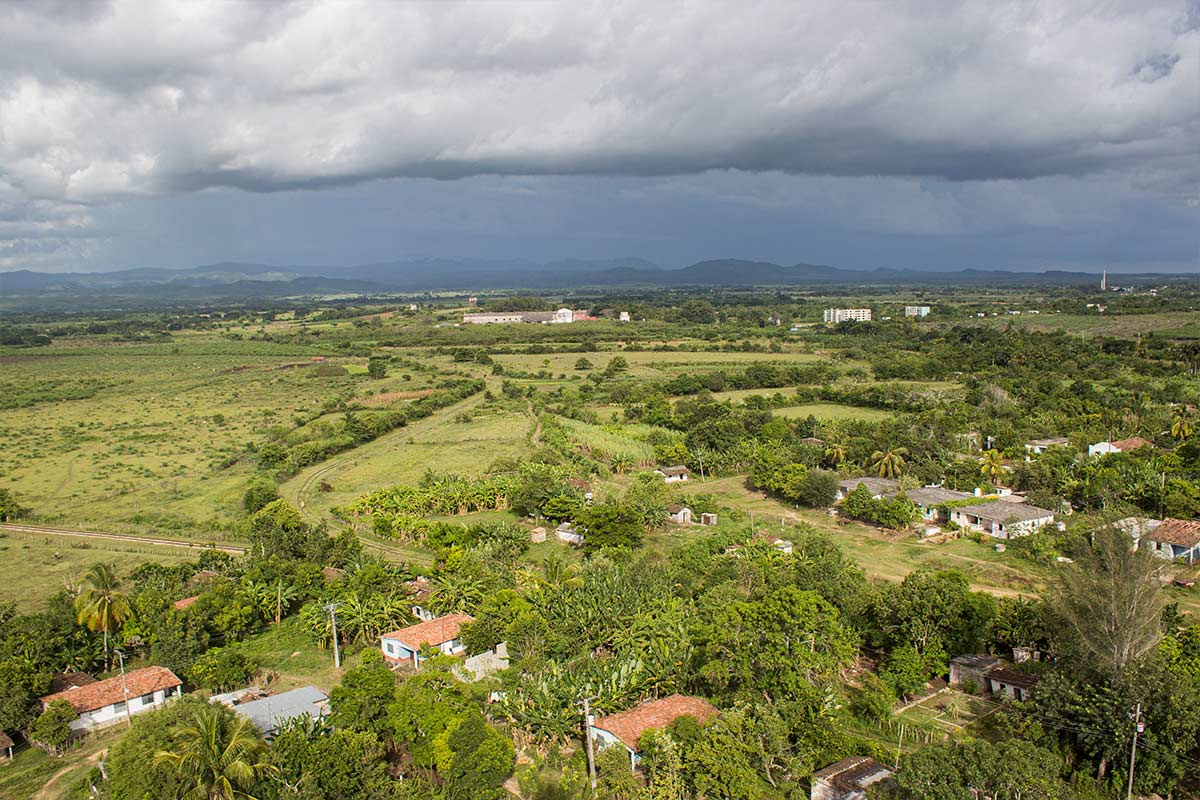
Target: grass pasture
35,566
832,411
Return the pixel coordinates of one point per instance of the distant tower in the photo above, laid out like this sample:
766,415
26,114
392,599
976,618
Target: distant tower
1104,281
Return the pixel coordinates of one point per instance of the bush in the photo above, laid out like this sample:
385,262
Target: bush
259,493
221,669
52,730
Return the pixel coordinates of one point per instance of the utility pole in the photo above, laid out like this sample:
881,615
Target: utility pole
1138,727
120,654
899,744
337,654
587,737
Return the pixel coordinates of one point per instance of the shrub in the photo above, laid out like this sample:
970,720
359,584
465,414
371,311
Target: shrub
221,669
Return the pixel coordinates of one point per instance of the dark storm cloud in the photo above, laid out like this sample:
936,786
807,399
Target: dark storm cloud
102,103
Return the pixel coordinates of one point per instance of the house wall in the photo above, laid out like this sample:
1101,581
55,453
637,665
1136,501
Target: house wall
114,713
396,653
605,739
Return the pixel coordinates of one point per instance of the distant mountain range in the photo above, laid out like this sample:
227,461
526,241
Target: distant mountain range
232,281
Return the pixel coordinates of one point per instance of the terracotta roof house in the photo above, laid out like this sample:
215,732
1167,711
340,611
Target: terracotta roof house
1001,519
1038,446
185,603
626,727
877,486
404,646
675,474
1174,538
848,779
1119,446
113,699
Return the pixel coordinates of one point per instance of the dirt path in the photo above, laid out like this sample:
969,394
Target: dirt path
62,485
47,791
535,438
120,537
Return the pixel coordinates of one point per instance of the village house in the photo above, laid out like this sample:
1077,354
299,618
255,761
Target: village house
270,713
568,533
1010,683
971,668
1035,447
625,729
679,514
676,474
419,593
848,779
931,500
1001,519
1119,446
404,646
877,486
114,699
1172,539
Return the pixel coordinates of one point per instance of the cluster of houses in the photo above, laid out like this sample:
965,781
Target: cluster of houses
991,674
1001,516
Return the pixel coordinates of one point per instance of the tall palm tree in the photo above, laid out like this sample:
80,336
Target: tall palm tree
889,463
101,605
991,465
216,755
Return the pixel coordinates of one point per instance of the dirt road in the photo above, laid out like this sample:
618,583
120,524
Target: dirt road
121,537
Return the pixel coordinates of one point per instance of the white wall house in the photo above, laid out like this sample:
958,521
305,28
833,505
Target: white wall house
115,699
675,474
404,646
1001,519
625,729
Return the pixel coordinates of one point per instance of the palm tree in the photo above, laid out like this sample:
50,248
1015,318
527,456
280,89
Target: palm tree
991,465
216,755
889,463
621,463
1182,426
284,594
101,605
835,454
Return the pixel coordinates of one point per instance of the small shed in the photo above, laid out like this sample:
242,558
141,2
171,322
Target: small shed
674,474
1010,683
708,519
567,533
537,535
680,514
971,668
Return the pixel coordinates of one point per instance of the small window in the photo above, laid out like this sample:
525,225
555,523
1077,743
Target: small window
147,699
119,708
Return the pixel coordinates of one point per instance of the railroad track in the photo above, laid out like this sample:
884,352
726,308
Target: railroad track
121,537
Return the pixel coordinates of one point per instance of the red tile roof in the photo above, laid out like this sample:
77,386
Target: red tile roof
103,693
186,602
67,680
1125,445
1182,532
434,632
628,726
848,774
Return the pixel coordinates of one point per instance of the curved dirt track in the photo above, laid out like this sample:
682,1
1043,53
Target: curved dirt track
120,537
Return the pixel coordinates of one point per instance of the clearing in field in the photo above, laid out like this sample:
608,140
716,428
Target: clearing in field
832,411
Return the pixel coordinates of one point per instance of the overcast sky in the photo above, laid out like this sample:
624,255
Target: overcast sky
927,133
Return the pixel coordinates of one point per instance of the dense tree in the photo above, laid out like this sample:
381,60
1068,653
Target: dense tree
52,729
360,701
481,760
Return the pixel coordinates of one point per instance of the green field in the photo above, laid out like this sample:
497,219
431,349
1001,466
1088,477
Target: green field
831,411
35,566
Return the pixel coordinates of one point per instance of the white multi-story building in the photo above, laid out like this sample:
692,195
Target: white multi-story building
916,311
836,315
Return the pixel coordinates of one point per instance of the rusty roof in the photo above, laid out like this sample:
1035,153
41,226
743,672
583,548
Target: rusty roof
185,602
628,726
69,680
1182,532
434,632
1133,443
103,693
1010,677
